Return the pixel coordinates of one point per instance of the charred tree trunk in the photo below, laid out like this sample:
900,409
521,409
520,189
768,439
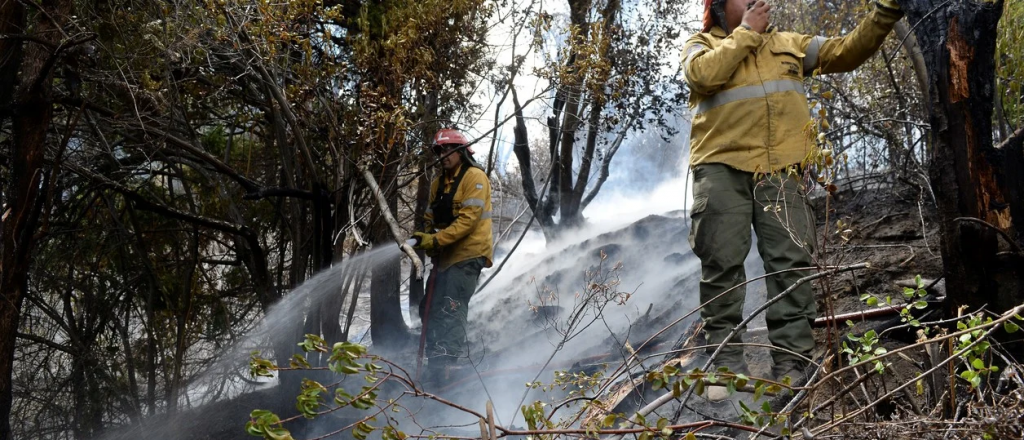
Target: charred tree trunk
30,113
977,184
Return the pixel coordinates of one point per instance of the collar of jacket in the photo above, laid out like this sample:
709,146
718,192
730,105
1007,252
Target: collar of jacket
718,32
450,176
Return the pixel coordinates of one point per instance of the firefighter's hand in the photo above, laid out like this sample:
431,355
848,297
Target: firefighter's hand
425,241
757,16
889,4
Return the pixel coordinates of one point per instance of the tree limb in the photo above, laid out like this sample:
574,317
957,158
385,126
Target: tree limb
278,192
146,204
46,342
390,220
1016,138
1016,247
207,158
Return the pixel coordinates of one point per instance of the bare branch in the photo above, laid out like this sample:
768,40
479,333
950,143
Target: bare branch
396,232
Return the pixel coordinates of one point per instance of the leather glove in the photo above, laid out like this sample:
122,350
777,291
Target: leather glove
425,241
889,4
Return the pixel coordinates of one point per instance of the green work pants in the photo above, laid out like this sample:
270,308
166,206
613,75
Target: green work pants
448,313
726,202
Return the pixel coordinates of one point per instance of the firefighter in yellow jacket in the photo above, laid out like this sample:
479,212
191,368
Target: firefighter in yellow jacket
460,242
750,119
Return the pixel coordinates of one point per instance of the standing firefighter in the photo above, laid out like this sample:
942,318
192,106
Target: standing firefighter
750,118
460,243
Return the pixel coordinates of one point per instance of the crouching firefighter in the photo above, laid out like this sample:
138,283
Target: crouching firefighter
459,241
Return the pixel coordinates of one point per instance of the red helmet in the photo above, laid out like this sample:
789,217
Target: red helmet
450,136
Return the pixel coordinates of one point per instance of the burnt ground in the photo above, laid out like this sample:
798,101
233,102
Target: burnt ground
538,321
892,229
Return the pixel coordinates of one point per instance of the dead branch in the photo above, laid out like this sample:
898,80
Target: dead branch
390,220
1001,232
993,327
665,398
1016,137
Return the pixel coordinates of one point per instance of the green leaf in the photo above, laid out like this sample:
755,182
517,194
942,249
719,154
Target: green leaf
690,436
872,301
741,380
657,384
977,363
921,304
278,434
1010,326
609,420
253,429
758,392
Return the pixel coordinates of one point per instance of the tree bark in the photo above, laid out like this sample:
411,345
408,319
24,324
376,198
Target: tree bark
12,22
387,327
970,176
30,121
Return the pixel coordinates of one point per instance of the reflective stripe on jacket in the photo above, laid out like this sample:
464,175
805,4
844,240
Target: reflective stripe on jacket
469,236
747,95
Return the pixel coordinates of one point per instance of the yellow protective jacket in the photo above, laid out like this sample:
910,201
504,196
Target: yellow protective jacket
469,236
747,95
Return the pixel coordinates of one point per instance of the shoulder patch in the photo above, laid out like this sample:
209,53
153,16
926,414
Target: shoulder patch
479,186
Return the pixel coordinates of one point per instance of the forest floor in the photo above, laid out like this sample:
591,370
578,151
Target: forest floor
894,230
913,389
